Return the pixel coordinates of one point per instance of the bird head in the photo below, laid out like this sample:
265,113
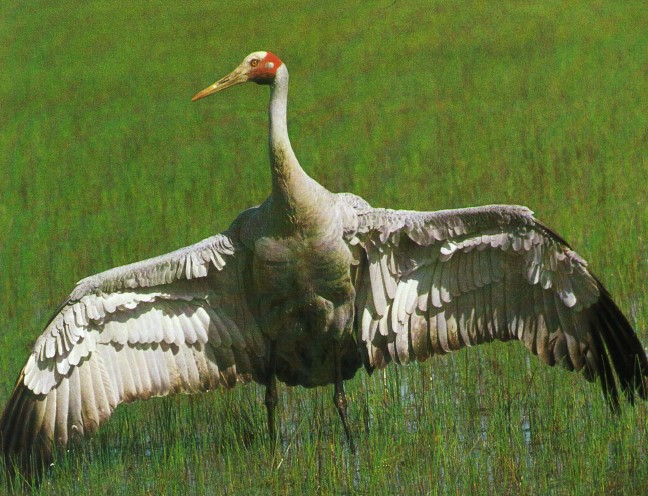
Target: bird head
260,67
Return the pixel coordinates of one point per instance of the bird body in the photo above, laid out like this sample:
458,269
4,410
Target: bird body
300,267
307,288
303,295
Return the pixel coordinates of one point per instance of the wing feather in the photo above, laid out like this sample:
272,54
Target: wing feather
59,429
455,339
435,290
74,422
437,346
396,320
552,326
403,344
419,335
498,320
427,273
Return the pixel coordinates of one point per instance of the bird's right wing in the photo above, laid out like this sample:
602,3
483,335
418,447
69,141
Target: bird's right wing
178,323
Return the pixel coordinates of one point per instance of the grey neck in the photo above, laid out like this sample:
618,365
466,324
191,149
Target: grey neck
289,181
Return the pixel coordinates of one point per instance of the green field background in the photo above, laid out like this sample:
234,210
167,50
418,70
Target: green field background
416,105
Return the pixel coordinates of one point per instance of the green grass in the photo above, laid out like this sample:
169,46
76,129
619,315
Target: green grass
411,105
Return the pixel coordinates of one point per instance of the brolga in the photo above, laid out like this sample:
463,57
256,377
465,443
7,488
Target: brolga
306,289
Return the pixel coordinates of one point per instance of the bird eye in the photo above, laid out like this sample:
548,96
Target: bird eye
254,62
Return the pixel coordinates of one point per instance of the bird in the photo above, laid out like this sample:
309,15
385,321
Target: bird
307,288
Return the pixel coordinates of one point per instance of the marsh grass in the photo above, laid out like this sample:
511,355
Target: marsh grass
409,104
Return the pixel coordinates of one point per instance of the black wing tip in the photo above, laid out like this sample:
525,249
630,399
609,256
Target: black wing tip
618,343
25,455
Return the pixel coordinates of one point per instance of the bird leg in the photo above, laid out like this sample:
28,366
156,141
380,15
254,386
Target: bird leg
340,399
271,391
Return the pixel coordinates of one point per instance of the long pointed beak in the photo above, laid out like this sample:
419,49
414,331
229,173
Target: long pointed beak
235,77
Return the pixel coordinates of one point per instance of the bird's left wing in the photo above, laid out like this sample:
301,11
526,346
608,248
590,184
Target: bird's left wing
433,282
178,323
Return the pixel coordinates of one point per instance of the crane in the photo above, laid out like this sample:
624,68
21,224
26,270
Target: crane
306,289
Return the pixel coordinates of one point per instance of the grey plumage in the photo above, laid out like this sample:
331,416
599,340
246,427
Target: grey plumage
308,287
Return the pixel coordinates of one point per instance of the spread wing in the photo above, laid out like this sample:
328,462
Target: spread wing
432,283
178,323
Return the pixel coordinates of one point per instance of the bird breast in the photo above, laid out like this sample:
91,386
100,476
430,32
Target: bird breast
301,287
288,266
